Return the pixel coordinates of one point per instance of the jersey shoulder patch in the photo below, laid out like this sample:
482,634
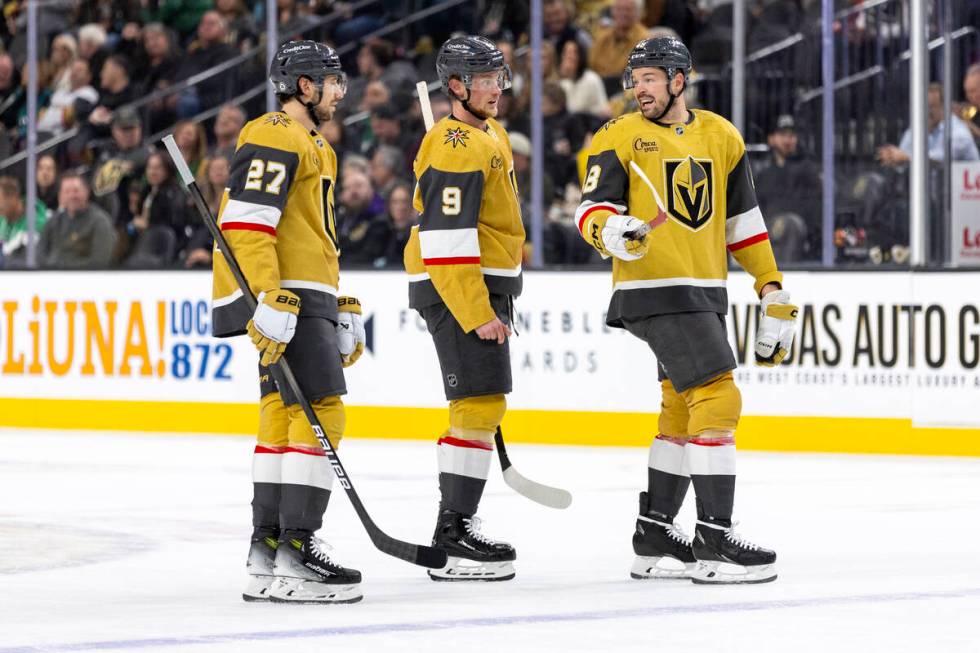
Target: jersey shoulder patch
275,130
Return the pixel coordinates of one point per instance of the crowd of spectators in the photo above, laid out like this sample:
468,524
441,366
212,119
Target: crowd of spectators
108,197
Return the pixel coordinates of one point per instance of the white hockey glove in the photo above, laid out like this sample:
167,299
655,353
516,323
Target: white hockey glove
625,237
273,324
777,325
350,330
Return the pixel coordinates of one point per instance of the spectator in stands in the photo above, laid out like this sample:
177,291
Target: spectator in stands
363,229
192,142
207,51
376,94
47,181
789,189
612,45
79,235
294,19
158,64
970,110
401,218
212,178
963,146
182,15
12,100
242,31
387,129
91,47
584,90
64,50
563,135
123,159
157,229
68,107
227,126
520,145
558,27
116,90
387,165
14,235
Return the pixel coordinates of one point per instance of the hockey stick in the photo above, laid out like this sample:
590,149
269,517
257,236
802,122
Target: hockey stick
546,495
425,556
422,88
661,216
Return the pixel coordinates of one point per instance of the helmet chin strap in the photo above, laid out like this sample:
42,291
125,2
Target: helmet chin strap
670,103
311,107
466,105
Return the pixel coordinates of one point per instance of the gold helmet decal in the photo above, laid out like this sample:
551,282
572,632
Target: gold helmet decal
690,189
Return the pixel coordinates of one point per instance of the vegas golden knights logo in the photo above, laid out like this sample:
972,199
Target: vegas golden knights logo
690,188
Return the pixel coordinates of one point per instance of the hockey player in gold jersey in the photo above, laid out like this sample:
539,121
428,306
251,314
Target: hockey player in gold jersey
464,266
277,216
669,290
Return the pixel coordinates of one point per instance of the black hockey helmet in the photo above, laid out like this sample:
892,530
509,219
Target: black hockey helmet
296,59
464,56
669,54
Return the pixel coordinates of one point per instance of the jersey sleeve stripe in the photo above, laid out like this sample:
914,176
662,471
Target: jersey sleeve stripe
248,226
742,244
240,211
452,260
450,243
744,225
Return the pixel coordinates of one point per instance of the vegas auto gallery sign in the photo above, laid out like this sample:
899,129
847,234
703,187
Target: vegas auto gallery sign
965,204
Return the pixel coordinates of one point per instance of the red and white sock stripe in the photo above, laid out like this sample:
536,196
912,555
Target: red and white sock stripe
307,466
267,464
667,455
465,457
710,455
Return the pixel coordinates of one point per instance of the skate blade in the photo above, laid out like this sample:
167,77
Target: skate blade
721,573
461,569
257,590
298,590
660,568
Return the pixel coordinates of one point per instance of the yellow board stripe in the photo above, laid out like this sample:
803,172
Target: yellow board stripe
764,433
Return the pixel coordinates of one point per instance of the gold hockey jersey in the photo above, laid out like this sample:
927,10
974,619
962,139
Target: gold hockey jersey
703,177
277,216
470,238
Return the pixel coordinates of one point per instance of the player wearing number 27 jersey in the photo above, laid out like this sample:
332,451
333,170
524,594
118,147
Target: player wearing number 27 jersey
278,219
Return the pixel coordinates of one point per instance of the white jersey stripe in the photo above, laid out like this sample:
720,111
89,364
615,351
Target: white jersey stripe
667,283
239,211
308,285
449,243
744,225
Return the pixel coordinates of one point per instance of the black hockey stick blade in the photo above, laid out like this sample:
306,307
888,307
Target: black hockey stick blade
418,554
546,495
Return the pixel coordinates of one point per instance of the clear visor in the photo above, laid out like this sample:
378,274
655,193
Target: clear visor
488,83
336,82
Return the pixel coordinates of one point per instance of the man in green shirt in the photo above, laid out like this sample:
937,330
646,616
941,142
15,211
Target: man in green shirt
13,224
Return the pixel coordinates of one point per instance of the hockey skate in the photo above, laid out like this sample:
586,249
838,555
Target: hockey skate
261,556
306,574
724,558
662,549
472,555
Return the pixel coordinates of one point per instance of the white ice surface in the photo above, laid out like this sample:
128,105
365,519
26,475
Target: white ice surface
137,543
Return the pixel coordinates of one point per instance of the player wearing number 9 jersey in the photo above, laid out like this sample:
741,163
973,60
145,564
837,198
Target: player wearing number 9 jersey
277,216
464,266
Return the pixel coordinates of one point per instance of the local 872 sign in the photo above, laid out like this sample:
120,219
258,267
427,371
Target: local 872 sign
965,194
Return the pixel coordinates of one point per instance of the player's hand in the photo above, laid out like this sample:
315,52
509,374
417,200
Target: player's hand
776,328
273,324
625,237
494,330
350,330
